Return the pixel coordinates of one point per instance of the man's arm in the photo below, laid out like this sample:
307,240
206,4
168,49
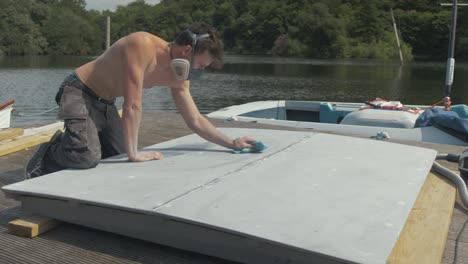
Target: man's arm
136,61
199,124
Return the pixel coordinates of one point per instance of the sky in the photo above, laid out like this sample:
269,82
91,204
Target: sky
111,4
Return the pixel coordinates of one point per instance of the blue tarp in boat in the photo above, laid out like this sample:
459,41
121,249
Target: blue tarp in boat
454,122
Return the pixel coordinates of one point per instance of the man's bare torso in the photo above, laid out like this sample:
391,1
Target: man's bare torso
105,74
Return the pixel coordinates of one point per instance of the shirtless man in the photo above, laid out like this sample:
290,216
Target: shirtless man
93,128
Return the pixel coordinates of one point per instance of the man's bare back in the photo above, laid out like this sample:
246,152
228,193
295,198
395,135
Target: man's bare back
105,74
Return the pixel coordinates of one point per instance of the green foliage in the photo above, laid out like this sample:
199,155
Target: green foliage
296,48
384,49
371,20
20,35
78,38
47,26
306,28
426,32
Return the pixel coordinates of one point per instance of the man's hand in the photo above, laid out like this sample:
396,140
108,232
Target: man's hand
147,155
242,142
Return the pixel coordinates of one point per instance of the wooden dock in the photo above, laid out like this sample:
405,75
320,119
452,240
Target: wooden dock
431,234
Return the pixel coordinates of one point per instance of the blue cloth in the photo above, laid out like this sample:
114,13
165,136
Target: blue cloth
448,121
461,110
258,146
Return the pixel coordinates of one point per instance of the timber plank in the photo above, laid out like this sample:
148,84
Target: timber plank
424,235
9,133
24,142
31,226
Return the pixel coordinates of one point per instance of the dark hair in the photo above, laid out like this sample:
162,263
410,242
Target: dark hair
212,44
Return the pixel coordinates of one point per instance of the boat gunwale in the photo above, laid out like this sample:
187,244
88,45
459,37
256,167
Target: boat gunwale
6,104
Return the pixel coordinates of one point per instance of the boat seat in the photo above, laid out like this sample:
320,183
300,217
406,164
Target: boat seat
329,114
381,118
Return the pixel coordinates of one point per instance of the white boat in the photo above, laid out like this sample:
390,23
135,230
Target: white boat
5,113
339,117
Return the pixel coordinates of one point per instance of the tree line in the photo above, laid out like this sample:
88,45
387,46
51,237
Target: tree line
305,28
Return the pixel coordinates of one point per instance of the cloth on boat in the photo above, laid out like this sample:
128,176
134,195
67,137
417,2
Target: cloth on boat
383,104
448,121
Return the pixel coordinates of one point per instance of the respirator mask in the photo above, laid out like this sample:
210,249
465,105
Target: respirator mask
181,67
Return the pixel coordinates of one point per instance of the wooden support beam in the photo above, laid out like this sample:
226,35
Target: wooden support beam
20,143
9,133
107,32
396,36
424,235
31,226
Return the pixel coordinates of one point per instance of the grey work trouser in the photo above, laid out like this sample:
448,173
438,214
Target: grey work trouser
93,128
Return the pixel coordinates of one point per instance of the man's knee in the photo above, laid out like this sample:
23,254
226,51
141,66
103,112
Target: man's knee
83,159
70,158
88,162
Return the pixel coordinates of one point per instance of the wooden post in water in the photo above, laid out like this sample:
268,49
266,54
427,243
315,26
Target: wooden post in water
107,32
396,36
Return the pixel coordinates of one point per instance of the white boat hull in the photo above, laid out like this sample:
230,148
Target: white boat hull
5,117
275,113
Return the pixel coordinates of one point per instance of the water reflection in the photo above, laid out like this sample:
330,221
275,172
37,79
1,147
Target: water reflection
33,81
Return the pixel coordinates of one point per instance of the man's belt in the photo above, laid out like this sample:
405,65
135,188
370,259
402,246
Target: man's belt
77,83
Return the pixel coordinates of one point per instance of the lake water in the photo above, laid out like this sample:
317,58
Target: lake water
33,82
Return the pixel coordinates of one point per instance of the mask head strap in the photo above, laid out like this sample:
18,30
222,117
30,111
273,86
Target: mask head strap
196,38
170,50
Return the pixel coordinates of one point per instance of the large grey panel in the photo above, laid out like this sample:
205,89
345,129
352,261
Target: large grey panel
306,197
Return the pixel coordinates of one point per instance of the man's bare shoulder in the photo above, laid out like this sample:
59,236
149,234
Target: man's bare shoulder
144,39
